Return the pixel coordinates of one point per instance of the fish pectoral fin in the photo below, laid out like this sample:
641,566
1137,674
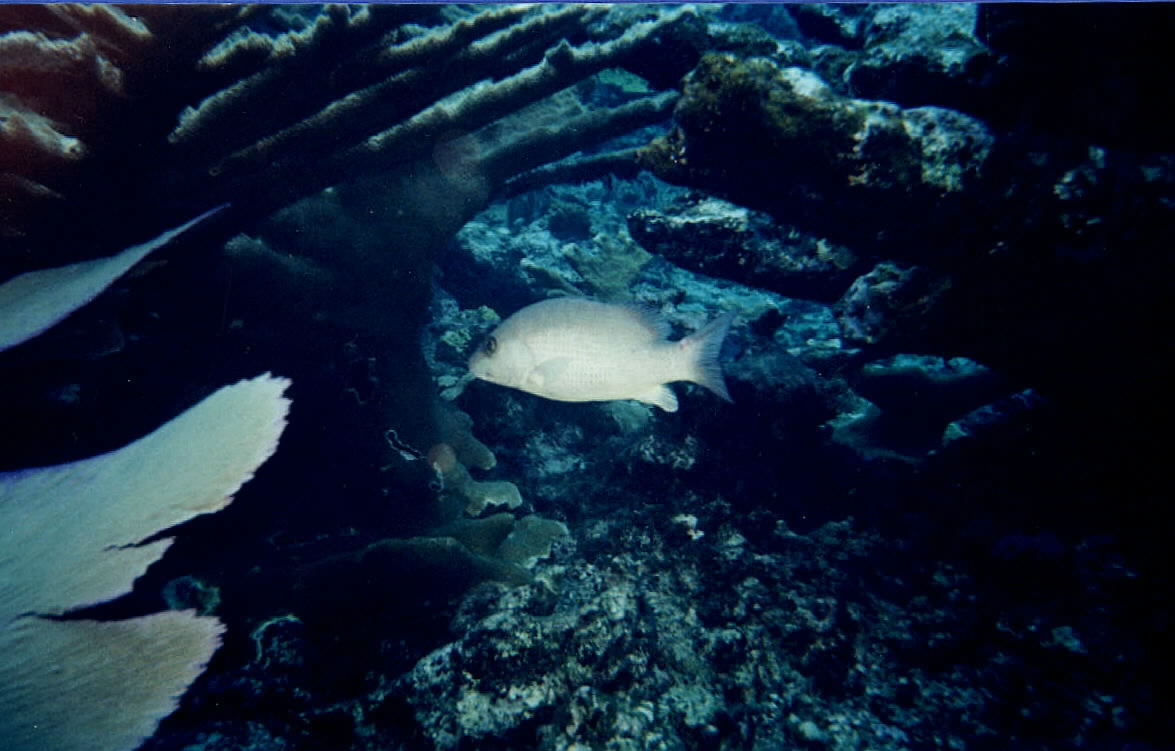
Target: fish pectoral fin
662,396
550,371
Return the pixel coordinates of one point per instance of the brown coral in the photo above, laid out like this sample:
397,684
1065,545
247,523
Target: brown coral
170,109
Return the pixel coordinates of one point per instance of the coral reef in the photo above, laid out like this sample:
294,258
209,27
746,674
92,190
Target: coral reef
190,117
534,669
722,240
744,124
158,112
375,170
892,307
974,201
929,518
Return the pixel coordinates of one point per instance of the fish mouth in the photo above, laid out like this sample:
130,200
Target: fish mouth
482,375
476,370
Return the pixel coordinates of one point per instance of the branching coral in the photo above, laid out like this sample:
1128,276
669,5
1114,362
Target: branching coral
165,106
381,128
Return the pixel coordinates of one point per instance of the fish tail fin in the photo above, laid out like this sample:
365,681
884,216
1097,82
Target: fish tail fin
703,347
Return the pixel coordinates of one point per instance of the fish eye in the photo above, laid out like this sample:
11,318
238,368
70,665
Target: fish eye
490,346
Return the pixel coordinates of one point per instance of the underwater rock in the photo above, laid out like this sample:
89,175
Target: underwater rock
775,19
831,23
892,307
918,396
923,54
986,421
722,240
569,221
934,385
186,592
902,175
608,265
652,644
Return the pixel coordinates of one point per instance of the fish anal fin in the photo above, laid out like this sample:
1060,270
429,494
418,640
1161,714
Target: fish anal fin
661,396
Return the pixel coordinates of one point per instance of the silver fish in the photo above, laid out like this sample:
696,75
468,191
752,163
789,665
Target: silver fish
577,350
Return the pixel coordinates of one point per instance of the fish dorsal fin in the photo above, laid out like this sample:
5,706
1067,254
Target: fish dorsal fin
649,319
661,396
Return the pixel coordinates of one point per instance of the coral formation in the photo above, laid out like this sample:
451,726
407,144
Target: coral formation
32,302
387,169
880,544
722,240
79,534
182,99
891,306
748,123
